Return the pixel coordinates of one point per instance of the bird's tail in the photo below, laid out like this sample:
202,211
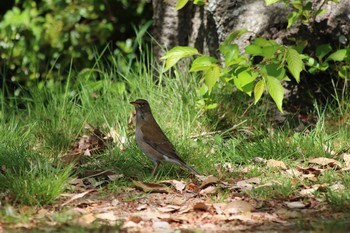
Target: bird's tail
191,169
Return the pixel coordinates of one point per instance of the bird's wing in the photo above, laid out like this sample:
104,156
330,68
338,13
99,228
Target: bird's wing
155,137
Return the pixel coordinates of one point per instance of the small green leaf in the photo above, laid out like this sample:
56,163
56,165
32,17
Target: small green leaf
202,63
180,4
273,70
269,51
211,76
176,53
244,80
254,50
203,89
295,63
338,55
323,50
275,89
292,18
231,53
199,2
234,35
270,2
259,90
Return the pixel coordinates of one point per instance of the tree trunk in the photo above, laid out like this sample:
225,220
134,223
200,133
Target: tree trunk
204,27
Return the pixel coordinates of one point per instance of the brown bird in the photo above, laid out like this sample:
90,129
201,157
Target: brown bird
151,139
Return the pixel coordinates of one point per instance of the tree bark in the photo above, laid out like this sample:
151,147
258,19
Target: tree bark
205,27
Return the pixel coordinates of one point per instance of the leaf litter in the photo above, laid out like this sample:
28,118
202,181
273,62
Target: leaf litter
208,203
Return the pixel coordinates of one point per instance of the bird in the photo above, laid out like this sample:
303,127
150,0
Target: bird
152,140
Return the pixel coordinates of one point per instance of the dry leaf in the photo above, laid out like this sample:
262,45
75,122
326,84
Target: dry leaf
192,188
276,163
200,206
109,216
168,208
294,172
295,205
326,162
178,185
142,207
76,196
308,192
151,187
309,170
208,190
346,158
248,184
209,181
135,218
86,219
238,206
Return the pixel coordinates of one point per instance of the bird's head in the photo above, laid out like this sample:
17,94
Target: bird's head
142,107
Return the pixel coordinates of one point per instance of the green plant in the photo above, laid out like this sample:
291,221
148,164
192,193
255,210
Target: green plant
303,11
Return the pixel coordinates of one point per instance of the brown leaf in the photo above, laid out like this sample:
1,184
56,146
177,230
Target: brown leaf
109,216
326,162
135,218
142,207
295,205
192,188
276,163
76,196
168,208
308,192
209,181
200,206
248,183
309,170
151,187
234,207
208,190
178,185
86,219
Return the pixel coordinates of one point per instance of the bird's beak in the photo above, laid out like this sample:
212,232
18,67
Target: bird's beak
134,103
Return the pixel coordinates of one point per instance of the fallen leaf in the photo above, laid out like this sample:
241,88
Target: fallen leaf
326,162
168,208
135,218
294,172
141,207
178,185
295,205
234,207
208,190
86,219
109,216
309,170
200,206
308,192
248,184
209,181
276,163
151,187
238,206
130,224
192,188
161,226
346,158
77,196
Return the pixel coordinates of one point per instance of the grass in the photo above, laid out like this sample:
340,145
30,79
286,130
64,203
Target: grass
47,121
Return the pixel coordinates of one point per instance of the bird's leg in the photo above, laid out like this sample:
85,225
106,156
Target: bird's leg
156,165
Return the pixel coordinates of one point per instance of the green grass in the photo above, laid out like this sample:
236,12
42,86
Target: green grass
44,123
